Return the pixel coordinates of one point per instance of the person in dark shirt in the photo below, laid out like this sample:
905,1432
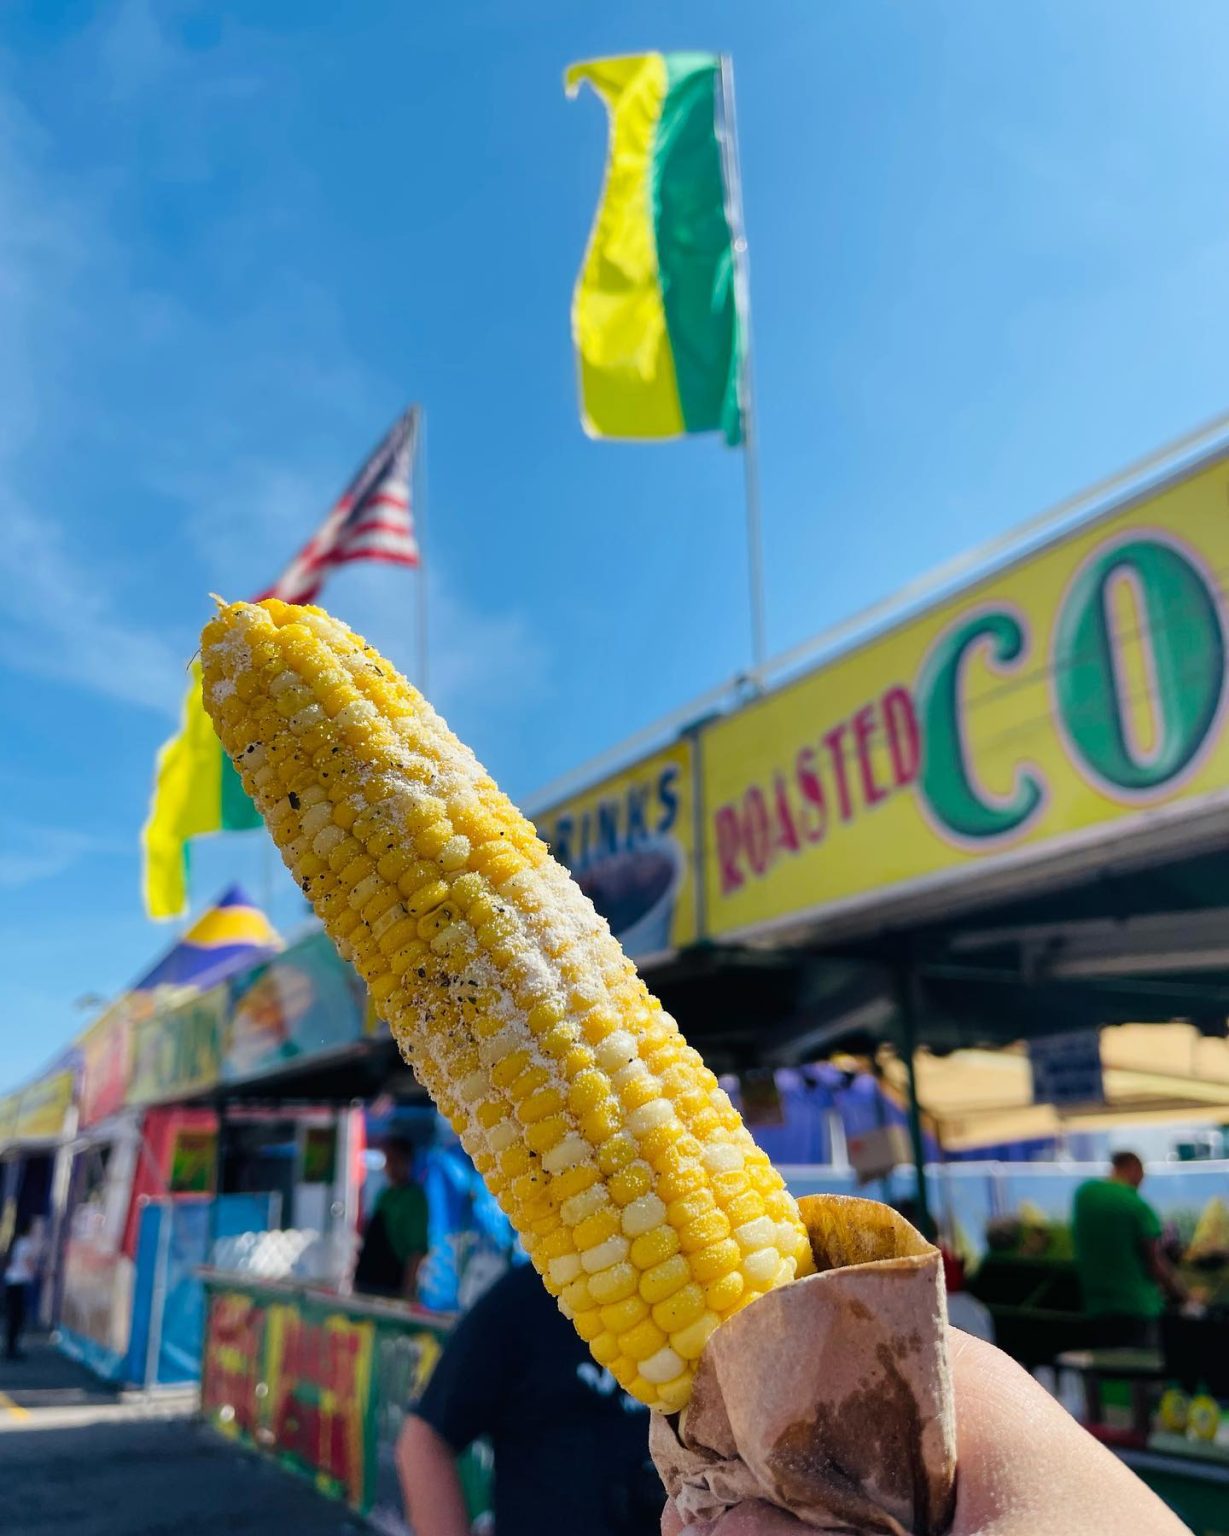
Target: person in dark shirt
571,1448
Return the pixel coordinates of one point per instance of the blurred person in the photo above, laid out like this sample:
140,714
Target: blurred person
19,1277
571,1448
395,1238
1123,1271
1026,1467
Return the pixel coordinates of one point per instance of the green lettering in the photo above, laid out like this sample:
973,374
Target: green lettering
1182,635
947,781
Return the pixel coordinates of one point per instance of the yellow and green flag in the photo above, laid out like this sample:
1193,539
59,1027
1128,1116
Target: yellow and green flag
196,790
654,316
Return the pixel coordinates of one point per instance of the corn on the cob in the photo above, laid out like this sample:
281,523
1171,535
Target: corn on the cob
639,1195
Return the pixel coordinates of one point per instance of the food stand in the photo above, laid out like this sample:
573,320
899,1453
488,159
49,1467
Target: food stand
36,1126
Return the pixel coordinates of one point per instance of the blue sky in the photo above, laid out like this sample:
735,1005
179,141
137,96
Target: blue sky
989,252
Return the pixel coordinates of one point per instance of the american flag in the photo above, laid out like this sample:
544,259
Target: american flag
372,520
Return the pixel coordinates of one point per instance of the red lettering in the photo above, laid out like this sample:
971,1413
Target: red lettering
787,833
729,841
834,741
812,789
755,829
904,736
864,728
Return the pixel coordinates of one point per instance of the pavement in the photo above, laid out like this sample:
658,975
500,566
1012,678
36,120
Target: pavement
79,1458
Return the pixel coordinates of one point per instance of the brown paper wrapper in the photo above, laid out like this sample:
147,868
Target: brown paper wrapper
829,1398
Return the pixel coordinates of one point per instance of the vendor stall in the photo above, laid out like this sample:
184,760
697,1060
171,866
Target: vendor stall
984,815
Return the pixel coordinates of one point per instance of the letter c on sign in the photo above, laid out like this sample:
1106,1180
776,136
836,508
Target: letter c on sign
947,780
1177,627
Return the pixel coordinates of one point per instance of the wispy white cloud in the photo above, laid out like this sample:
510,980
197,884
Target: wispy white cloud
483,660
276,411
60,623
30,853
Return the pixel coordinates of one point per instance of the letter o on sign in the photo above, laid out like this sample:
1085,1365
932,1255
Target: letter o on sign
1179,635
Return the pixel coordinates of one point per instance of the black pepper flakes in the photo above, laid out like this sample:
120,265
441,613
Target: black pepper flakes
294,800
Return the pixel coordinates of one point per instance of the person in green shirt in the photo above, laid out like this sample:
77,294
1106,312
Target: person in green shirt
395,1239
1124,1275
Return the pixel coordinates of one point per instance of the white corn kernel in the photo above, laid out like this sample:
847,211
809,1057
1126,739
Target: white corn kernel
500,1137
760,1268
759,1233
643,1215
471,1089
628,1074
316,817
649,1116
617,1050
664,1366
326,840
571,1150
587,1203
613,1251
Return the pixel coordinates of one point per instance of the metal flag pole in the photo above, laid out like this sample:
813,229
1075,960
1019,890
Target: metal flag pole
420,529
746,393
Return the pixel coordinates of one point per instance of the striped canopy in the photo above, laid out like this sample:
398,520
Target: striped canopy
230,934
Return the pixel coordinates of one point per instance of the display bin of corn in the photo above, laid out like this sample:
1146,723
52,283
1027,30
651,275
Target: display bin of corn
639,1195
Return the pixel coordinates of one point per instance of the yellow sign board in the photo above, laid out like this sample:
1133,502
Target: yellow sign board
9,1106
43,1108
630,842
1057,703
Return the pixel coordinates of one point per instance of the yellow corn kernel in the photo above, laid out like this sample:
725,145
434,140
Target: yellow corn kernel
624,1371
718,1259
744,1208
573,1181
643,1340
654,1247
664,1279
631,1183
682,1309
707,1228
604,1348
614,1284
596,1229
588,1324
622,1315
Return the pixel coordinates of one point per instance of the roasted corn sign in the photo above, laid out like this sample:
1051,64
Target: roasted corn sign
1052,706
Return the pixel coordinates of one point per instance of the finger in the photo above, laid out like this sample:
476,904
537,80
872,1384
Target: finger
754,1517
671,1523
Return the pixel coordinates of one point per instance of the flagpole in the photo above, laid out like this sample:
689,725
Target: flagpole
746,393
419,503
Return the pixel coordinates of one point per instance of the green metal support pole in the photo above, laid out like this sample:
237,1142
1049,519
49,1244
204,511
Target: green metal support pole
909,997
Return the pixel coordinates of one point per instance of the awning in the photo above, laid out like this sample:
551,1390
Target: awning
1153,1073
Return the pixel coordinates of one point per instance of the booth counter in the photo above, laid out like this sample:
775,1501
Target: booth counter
322,1382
